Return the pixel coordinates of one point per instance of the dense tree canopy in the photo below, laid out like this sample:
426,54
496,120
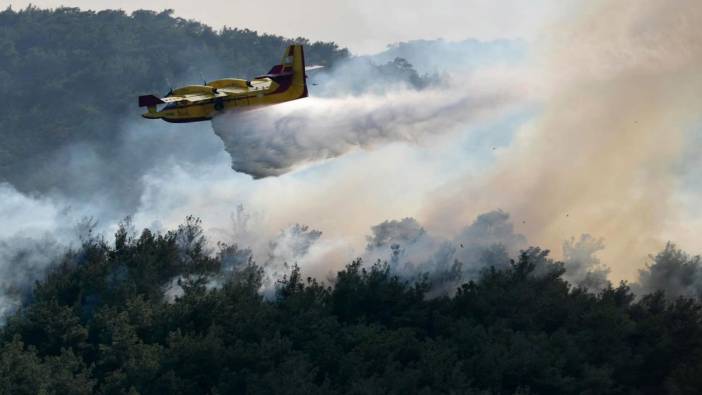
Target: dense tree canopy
158,314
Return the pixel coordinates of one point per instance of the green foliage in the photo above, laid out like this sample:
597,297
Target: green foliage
400,69
156,313
106,320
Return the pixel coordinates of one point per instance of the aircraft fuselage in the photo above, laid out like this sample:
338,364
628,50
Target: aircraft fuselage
193,103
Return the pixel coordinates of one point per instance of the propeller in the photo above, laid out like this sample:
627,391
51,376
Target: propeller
204,81
170,90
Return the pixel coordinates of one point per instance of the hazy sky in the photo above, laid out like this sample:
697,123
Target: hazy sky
361,25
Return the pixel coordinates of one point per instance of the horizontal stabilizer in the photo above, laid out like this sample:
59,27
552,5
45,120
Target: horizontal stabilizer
315,67
149,100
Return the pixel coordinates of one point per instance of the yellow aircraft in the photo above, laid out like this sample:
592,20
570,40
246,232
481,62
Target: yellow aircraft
192,103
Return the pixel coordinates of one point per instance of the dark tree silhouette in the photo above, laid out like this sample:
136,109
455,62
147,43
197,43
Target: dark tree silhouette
156,314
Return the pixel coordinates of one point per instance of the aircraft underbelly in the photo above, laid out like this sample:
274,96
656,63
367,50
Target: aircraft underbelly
185,120
197,112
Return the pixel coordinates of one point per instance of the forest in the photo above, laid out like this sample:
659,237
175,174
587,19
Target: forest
154,311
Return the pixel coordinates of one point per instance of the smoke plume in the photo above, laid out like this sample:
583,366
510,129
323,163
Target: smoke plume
674,272
411,251
622,89
582,266
33,235
489,242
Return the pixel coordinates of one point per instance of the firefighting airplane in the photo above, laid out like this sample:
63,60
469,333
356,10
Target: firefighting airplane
192,103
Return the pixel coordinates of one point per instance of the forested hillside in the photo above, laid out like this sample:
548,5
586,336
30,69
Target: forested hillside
155,314
70,76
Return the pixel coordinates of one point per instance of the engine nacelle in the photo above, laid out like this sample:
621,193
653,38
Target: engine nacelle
193,89
229,83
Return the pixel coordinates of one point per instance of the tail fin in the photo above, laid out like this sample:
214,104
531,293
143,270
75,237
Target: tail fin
298,66
149,101
290,73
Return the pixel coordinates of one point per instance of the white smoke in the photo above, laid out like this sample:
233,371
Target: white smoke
412,252
273,141
673,272
582,266
489,242
622,88
35,232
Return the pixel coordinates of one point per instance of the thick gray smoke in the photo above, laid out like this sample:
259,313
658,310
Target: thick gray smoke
35,232
23,261
622,90
490,241
411,252
674,272
289,247
582,265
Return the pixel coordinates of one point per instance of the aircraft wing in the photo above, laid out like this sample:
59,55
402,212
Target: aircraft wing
197,98
172,99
